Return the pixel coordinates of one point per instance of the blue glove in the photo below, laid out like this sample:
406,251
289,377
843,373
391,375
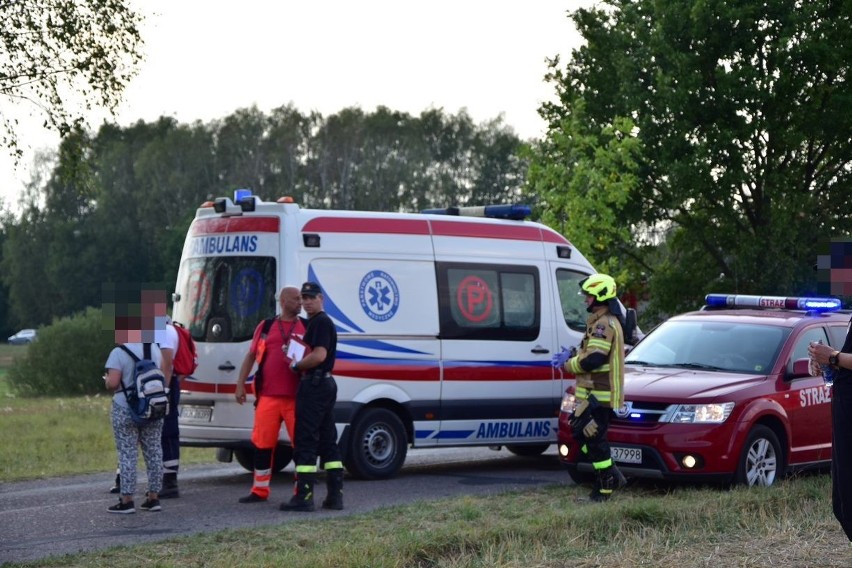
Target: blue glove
558,360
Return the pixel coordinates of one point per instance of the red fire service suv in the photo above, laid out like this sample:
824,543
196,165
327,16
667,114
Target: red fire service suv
722,394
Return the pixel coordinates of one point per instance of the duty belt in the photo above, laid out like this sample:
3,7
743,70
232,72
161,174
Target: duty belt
315,376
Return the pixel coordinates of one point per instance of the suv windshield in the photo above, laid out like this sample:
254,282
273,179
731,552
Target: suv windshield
724,346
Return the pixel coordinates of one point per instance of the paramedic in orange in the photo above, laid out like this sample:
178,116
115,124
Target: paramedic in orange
275,386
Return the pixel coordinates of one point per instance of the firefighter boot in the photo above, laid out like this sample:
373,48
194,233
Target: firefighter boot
334,483
598,495
170,486
303,494
608,480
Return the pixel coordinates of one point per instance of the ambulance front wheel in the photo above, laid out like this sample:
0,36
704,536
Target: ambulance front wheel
528,450
282,457
377,445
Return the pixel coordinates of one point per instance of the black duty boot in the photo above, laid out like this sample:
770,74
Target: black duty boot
117,487
170,486
303,495
334,483
609,480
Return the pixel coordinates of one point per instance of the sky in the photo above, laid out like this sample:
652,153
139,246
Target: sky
204,60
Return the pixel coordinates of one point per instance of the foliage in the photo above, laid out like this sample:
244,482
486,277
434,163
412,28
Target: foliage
58,56
67,359
116,204
717,129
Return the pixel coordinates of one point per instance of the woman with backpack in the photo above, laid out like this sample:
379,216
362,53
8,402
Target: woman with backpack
131,427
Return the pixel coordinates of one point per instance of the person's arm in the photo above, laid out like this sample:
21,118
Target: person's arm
112,379
166,360
245,369
822,354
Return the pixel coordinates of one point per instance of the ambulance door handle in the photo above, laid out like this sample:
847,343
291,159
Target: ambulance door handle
228,366
539,349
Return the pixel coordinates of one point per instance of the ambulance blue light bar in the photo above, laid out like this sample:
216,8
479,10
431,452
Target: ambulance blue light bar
788,303
514,212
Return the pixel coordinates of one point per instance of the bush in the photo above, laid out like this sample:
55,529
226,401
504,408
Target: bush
67,359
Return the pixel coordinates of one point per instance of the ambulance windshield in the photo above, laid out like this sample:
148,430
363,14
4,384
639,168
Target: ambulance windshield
223,298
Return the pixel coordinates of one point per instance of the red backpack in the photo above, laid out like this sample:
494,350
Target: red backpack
186,359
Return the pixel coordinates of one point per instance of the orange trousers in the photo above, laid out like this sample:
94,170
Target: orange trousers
271,411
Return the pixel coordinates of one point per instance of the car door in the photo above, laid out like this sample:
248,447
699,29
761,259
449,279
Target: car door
808,405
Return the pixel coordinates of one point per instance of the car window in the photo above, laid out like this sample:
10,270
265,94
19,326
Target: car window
837,334
736,347
800,349
573,303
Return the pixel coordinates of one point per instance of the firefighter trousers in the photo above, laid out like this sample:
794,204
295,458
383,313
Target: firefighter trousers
316,434
841,453
595,447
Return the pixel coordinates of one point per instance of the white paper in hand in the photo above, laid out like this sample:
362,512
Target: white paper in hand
296,350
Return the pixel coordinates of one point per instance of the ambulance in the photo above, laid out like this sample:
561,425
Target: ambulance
446,323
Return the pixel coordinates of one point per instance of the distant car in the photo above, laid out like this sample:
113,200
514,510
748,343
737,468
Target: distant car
23,337
722,394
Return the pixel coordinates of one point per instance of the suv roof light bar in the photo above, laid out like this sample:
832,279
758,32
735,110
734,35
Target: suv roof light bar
824,304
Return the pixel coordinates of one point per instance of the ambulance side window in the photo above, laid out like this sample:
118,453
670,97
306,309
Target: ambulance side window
573,303
488,301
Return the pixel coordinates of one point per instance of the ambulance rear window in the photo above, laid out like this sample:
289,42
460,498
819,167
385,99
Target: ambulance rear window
489,302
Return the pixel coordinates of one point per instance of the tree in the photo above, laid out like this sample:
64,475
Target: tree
65,57
715,131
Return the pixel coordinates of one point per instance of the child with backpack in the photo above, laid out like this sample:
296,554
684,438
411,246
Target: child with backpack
138,407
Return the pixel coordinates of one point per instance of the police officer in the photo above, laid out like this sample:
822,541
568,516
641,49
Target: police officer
316,434
841,427
598,366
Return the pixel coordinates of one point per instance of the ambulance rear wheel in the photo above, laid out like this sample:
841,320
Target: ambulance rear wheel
378,445
283,456
528,450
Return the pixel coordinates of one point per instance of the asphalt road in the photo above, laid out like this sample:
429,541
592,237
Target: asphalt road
68,515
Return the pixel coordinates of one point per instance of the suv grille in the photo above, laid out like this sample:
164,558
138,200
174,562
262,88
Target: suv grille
641,414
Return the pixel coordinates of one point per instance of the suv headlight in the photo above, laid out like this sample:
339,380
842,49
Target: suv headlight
568,403
700,413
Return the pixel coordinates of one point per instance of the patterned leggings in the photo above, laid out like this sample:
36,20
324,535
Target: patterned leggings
128,436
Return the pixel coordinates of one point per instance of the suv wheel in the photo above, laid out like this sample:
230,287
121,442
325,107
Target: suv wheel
761,460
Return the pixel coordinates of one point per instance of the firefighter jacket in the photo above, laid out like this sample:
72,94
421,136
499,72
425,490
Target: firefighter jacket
603,342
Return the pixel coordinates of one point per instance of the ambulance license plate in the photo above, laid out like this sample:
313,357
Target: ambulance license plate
196,413
626,455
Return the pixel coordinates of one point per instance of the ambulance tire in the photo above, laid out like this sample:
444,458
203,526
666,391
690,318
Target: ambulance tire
761,460
528,450
283,456
377,446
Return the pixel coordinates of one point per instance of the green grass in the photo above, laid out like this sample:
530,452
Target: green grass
787,525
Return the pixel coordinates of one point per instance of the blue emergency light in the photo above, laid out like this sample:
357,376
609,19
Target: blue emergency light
514,212
819,305
240,194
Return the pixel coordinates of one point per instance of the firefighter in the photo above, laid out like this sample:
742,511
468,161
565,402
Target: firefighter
316,433
598,365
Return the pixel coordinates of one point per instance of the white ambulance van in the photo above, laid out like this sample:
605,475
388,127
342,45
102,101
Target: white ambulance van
446,324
